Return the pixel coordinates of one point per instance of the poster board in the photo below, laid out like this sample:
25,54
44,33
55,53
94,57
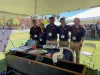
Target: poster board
4,38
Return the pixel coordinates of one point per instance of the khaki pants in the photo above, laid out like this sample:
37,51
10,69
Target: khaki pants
54,42
64,43
76,46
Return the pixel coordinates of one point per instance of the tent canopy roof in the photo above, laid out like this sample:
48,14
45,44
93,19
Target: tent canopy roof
93,13
29,7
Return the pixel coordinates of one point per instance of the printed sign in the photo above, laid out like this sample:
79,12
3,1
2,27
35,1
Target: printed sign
4,37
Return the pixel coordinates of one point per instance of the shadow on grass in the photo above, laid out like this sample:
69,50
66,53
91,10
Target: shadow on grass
2,62
91,72
93,39
2,65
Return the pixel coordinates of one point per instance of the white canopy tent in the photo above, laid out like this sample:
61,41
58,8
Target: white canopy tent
11,15
91,15
30,7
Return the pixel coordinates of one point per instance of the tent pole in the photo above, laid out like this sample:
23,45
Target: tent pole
35,7
12,43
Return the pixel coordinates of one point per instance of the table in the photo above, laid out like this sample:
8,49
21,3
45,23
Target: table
26,63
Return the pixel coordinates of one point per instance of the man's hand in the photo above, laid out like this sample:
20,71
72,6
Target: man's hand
82,40
80,45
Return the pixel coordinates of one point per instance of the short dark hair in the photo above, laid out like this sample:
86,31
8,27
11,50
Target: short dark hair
51,18
62,19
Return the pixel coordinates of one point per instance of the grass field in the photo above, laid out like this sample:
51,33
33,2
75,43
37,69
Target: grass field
18,38
96,57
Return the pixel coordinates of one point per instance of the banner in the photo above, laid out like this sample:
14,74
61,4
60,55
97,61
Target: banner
4,37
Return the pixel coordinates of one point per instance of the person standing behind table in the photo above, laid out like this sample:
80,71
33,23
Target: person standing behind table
63,33
96,29
34,32
77,38
93,29
98,26
85,30
42,35
51,30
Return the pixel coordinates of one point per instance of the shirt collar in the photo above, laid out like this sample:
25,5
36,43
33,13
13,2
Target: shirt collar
51,24
34,26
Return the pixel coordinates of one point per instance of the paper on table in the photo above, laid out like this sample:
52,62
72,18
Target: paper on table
22,48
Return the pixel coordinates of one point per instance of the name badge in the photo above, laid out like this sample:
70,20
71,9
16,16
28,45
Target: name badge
62,36
40,39
50,34
74,38
35,36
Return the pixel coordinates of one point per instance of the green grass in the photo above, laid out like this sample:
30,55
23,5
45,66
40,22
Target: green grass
2,62
18,38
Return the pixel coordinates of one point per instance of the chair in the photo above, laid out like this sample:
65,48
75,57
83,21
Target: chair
88,53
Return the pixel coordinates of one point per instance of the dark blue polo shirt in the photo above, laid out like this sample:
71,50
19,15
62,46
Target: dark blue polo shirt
34,32
77,33
42,37
51,32
63,33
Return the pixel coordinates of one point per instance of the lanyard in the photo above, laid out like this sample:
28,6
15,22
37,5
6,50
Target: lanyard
35,30
41,34
62,29
51,28
76,29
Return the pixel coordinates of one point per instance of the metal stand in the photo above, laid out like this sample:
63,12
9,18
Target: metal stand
12,43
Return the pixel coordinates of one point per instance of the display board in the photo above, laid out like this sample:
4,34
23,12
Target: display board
4,37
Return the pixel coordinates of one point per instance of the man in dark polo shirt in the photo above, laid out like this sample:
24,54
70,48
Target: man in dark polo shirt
34,32
77,38
63,33
51,30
